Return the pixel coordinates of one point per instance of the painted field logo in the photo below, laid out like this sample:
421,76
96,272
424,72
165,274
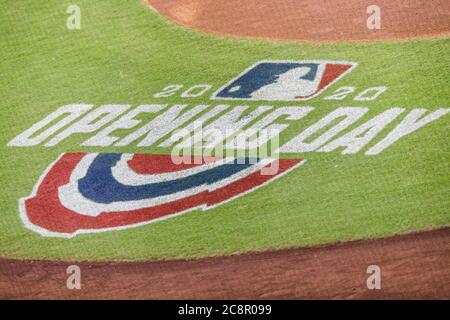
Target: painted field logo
93,192
284,80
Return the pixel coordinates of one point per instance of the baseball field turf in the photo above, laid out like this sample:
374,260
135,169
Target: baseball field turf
125,54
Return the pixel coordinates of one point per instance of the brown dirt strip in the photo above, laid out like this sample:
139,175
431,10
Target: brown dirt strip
310,20
413,266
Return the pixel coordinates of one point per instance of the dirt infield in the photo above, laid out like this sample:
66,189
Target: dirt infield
412,266
311,20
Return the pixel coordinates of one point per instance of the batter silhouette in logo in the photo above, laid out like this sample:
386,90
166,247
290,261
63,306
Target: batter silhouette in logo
284,80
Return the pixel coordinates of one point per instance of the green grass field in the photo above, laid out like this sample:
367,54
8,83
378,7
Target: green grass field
125,53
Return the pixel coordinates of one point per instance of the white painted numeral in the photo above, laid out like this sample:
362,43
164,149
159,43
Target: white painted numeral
192,92
341,93
168,91
370,94
196,91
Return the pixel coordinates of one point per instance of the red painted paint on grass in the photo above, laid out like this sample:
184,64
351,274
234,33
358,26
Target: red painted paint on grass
331,73
45,211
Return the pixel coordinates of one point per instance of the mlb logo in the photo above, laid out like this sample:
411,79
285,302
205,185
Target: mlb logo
284,80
